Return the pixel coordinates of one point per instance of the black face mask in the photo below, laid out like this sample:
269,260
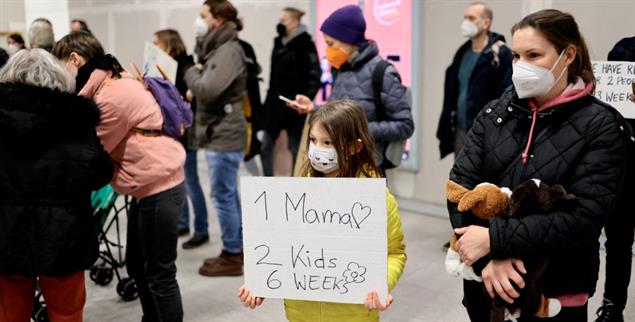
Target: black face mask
281,29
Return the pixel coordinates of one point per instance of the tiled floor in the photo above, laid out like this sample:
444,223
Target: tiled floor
425,292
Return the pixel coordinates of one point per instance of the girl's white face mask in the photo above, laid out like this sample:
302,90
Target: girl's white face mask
534,81
323,160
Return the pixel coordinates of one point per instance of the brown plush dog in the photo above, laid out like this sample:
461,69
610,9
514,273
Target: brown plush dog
487,201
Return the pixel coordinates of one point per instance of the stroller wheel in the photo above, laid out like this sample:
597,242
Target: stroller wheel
127,289
101,275
40,314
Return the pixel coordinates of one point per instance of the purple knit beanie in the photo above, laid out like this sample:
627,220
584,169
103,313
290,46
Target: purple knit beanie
346,24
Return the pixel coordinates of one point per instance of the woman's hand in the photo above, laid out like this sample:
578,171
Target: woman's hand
473,243
497,277
249,300
189,96
374,303
302,104
199,66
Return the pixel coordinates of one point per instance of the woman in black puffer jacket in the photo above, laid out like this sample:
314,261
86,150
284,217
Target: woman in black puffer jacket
50,161
547,126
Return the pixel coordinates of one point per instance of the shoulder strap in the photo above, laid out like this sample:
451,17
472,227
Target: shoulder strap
495,51
378,82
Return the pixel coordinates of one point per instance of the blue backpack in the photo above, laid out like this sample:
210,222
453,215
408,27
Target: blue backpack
177,113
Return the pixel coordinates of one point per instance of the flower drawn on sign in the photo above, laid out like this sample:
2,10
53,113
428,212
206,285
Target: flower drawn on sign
354,273
386,12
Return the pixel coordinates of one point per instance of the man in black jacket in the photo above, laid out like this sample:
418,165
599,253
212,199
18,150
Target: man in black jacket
295,69
620,227
480,72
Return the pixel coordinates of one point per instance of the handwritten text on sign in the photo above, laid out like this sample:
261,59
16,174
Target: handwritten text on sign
320,239
614,83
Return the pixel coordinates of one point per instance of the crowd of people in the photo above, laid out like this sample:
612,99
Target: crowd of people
74,120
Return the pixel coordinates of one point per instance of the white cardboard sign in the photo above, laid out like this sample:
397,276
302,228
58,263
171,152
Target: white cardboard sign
318,239
613,84
152,56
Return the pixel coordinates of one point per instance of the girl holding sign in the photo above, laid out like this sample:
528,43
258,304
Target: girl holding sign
340,145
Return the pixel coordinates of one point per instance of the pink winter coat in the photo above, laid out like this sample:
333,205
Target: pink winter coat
144,165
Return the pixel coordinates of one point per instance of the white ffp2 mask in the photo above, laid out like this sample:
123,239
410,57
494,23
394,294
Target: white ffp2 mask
323,160
469,29
534,81
200,27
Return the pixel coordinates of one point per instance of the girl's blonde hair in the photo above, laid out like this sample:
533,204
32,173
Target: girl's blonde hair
345,123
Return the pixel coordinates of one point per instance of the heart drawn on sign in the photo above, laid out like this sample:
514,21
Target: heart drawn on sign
360,211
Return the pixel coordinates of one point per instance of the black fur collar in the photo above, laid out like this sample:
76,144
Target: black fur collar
37,111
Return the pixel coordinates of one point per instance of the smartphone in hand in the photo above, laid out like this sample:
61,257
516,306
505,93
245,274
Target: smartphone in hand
288,100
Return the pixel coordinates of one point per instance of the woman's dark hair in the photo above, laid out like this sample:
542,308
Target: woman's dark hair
171,42
89,48
560,29
82,25
81,42
345,123
17,38
224,10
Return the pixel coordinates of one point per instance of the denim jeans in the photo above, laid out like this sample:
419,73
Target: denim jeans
196,195
223,172
151,254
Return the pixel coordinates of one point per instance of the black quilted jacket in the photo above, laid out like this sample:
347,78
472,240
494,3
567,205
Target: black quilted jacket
580,145
50,160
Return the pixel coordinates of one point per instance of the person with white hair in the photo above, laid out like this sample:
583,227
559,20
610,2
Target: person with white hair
50,161
41,34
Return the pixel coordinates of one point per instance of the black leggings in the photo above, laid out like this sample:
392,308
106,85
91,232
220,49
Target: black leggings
151,254
478,307
619,230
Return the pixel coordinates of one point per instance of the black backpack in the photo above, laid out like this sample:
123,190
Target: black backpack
393,151
252,106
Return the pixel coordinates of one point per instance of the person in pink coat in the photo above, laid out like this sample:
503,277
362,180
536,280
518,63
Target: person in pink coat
148,167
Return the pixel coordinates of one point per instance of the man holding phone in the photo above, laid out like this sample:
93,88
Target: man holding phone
295,69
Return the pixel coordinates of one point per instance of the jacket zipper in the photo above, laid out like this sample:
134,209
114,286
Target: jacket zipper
519,157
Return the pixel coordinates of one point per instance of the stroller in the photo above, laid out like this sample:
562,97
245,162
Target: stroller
111,256
106,212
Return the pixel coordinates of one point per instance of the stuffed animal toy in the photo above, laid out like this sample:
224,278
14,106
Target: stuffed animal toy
486,201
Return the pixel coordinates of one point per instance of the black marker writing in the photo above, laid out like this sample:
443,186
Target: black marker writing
354,219
267,251
319,282
303,257
264,193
